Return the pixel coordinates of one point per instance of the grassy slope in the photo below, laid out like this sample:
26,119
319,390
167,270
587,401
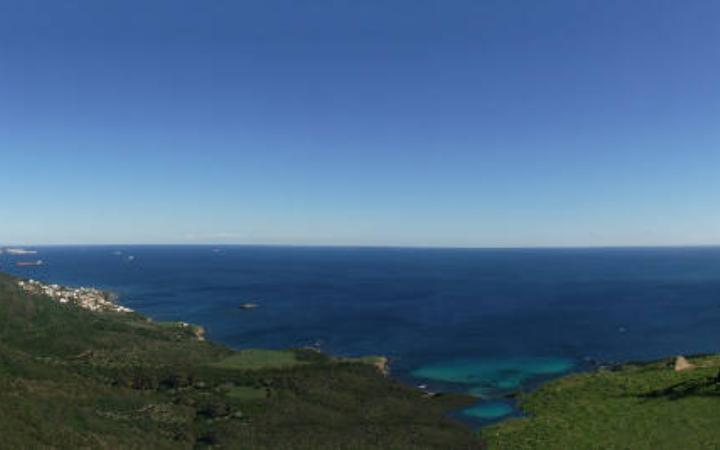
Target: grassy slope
647,406
254,359
74,379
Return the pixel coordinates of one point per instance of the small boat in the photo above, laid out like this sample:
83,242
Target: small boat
249,306
39,262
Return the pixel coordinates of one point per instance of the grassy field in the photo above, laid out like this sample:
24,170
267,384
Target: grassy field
645,406
256,359
74,379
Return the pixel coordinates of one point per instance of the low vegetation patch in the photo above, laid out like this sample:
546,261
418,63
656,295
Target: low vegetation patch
256,359
248,393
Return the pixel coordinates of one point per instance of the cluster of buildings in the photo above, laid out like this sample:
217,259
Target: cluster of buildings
88,298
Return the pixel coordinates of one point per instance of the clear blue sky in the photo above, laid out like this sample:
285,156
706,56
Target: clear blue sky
405,122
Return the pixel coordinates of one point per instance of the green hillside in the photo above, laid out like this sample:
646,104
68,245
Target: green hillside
70,378
636,406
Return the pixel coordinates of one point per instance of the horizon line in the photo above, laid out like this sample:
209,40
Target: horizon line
372,246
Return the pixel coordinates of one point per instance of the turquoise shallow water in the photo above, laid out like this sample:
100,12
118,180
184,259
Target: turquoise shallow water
489,410
499,373
491,378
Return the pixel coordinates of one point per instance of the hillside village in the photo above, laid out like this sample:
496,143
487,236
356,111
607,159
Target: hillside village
84,297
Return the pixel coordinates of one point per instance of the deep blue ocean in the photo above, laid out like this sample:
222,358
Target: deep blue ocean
487,322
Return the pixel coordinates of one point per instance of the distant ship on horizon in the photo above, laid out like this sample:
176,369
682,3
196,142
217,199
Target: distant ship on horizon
18,251
39,262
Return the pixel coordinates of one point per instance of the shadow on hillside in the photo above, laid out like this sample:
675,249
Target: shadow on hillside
701,387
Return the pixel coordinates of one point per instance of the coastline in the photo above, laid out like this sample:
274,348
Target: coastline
168,367
120,371
96,300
